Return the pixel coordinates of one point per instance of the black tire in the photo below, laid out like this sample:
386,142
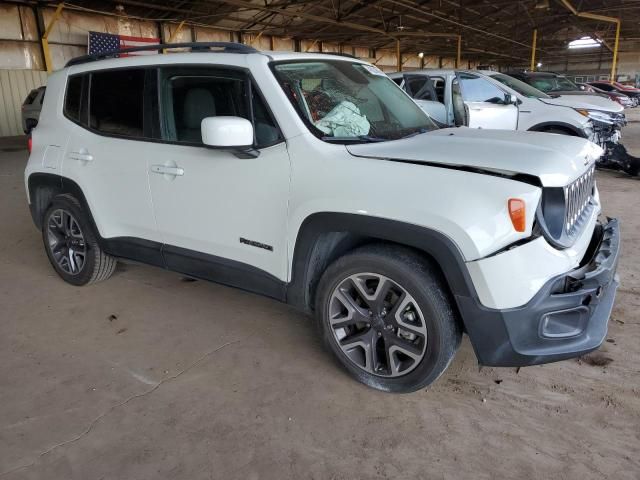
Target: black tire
97,265
421,281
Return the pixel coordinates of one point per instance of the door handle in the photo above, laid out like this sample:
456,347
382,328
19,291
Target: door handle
164,170
82,156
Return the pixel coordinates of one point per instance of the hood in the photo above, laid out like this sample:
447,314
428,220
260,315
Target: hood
577,92
556,160
588,102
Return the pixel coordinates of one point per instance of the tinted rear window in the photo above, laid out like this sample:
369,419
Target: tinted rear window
116,103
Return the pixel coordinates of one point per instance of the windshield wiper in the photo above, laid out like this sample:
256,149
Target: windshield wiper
416,132
357,139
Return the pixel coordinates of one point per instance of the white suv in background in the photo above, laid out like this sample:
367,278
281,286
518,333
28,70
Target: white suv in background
313,179
487,99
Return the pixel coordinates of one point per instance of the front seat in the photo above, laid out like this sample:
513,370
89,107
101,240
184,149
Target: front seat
198,104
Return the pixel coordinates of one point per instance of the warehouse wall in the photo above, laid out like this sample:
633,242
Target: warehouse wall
15,85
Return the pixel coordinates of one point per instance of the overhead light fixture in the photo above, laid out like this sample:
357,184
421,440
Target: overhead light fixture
585,42
542,4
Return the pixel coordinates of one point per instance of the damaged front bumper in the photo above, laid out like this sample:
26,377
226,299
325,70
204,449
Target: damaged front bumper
607,133
567,318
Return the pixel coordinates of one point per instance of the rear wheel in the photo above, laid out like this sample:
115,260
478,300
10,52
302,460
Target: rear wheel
385,315
71,245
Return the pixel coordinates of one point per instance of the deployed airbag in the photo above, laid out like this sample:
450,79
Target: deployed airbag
344,120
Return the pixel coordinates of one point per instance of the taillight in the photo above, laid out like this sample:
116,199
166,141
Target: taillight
29,143
518,214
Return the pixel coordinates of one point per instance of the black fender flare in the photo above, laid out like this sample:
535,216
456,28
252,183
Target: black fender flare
53,184
540,127
485,326
324,236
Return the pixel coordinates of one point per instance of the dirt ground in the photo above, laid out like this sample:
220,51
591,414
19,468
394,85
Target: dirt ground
149,376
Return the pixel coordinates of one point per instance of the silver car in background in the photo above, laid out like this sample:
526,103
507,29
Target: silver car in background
31,109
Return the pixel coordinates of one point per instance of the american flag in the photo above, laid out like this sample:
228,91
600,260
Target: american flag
108,42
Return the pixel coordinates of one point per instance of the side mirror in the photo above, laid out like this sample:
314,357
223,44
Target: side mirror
229,133
510,99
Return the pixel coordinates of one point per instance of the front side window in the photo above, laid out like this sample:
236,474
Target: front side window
345,101
519,86
116,102
476,89
191,95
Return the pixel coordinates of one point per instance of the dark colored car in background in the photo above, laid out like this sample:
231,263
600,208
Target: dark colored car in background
621,98
549,82
31,109
631,92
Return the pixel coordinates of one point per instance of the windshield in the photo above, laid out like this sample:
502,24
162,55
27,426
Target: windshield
553,84
350,102
519,86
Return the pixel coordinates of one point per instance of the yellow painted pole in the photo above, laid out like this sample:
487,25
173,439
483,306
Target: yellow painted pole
45,38
458,58
533,49
614,64
602,18
257,38
398,56
311,46
174,34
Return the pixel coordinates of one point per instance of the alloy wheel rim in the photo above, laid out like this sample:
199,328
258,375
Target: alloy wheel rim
378,325
66,241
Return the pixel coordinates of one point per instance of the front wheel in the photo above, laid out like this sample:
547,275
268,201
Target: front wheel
384,313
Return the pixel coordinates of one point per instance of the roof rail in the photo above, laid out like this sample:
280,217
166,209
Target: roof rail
221,47
339,54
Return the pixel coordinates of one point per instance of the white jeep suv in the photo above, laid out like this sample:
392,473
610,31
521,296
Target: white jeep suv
315,180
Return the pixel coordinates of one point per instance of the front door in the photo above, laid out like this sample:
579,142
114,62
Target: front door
221,217
486,104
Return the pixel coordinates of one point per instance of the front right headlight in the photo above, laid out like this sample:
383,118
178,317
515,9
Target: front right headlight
596,115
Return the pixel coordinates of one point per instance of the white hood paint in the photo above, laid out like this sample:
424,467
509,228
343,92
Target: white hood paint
588,102
555,159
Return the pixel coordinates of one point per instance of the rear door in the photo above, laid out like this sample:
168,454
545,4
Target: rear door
106,153
486,104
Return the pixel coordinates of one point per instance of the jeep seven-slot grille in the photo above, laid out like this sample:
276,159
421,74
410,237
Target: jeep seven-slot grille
577,196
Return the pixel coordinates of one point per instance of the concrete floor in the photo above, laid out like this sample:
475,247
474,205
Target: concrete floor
148,376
